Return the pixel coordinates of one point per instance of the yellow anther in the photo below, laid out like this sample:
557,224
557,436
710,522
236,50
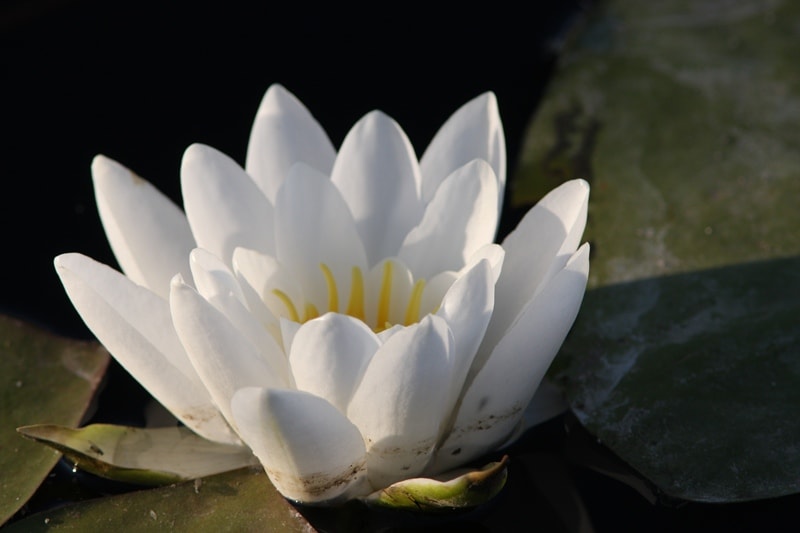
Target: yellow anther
355,307
412,311
311,312
385,298
333,293
288,303
386,325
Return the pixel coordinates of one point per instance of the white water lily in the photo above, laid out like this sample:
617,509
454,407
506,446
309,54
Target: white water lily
344,315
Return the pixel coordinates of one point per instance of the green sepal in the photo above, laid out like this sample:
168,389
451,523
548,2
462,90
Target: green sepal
430,495
146,456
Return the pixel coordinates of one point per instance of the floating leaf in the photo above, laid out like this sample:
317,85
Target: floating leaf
694,379
46,378
241,500
149,456
683,116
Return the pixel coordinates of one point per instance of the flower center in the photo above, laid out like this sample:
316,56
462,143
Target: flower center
384,315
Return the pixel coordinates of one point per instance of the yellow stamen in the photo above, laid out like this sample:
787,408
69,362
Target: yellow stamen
385,297
288,303
333,294
311,312
412,311
355,306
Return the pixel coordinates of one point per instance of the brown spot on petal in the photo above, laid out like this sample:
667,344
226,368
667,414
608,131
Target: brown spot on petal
317,484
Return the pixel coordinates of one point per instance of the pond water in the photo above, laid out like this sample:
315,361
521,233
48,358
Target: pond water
140,81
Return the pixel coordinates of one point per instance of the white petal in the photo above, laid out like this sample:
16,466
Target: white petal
284,133
135,326
461,217
330,354
288,329
388,333
378,175
467,307
496,399
494,253
544,239
310,451
473,131
148,233
400,283
259,275
224,207
548,402
435,289
400,402
223,358
314,226
212,277
219,287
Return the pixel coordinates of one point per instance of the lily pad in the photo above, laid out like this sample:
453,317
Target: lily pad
147,456
240,500
683,116
694,379
43,378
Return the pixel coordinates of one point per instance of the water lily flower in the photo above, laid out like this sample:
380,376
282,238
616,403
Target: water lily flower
344,315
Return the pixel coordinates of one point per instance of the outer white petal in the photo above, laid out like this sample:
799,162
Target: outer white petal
310,451
284,133
467,307
473,131
224,207
219,287
223,358
313,226
148,233
496,399
400,403
461,217
330,354
135,326
548,402
378,175
540,246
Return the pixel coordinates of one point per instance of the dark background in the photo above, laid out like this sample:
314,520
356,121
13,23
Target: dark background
140,81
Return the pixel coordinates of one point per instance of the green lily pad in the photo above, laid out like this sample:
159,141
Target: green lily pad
43,378
694,379
240,500
683,117
147,456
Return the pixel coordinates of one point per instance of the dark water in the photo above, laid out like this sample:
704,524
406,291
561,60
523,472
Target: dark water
140,81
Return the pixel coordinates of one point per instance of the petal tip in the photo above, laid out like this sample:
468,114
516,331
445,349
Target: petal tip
177,282
104,169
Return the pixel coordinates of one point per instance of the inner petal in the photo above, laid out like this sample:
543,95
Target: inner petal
313,225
